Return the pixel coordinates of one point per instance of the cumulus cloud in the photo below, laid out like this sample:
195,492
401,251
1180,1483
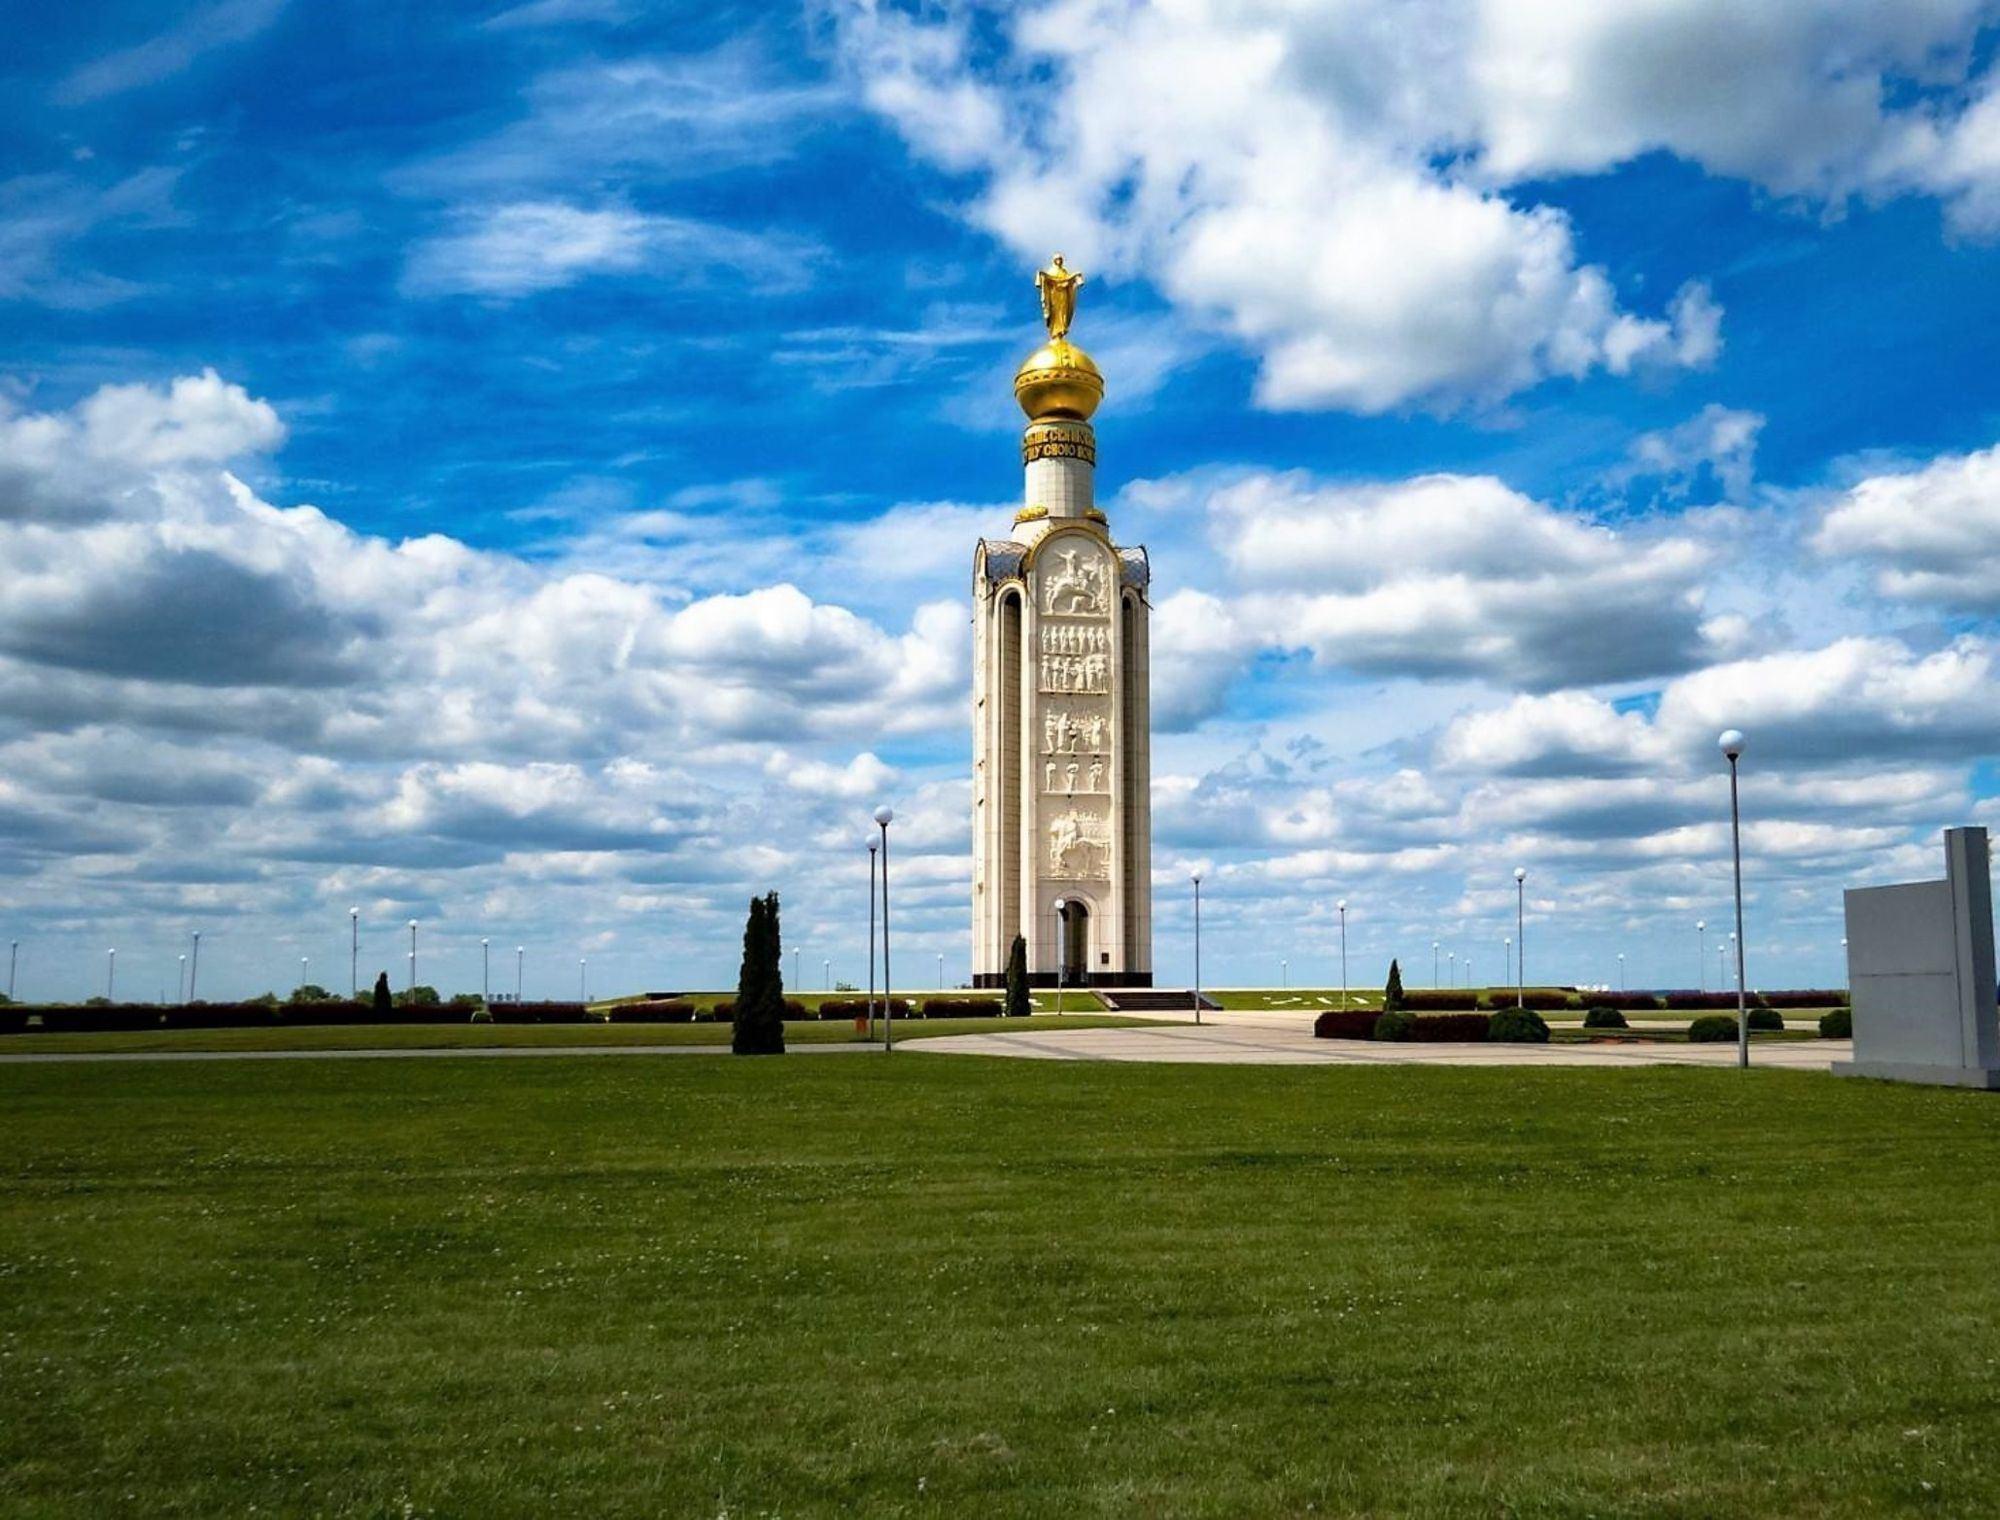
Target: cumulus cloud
1348,190
1273,177
1931,535
1451,575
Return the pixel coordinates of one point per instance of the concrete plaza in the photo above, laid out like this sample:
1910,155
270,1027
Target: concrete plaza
1282,1039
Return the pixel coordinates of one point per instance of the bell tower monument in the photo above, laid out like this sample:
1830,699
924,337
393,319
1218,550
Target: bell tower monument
1061,747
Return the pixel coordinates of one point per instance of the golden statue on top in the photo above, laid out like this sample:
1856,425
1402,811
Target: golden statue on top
1058,291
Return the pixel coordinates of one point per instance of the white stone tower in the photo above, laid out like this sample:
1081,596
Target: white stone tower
1062,750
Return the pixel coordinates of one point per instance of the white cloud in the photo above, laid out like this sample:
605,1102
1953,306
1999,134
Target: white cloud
1347,190
1932,535
1718,441
1270,175
219,24
1449,575
529,246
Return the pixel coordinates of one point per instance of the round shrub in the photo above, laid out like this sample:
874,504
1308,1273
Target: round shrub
1518,1026
1605,1018
1769,1020
1712,1029
1396,1025
1837,1024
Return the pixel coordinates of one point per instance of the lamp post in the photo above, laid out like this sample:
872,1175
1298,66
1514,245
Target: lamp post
795,966
1451,968
485,971
1062,950
1434,963
1196,879
1521,934
519,951
1285,974
110,975
194,964
14,959
1621,970
1342,905
884,816
583,977
871,936
353,953
1701,953
1730,742
180,981
826,975
413,954
940,971
305,963
1507,945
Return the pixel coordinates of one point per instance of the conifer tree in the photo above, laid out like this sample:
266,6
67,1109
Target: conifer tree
1392,995
383,999
759,1025
1017,979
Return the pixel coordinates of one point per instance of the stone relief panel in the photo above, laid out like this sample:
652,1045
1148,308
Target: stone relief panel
1075,638
1079,846
1068,731
1089,674
1078,585
1090,776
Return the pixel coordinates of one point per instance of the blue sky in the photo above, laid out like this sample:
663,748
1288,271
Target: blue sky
517,466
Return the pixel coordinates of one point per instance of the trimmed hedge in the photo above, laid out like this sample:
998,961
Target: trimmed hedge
1451,1028
857,1008
542,1013
1440,999
1396,1025
1519,1026
725,1012
229,1015
1604,1016
651,1011
79,1019
1712,1029
1837,1024
964,1008
1547,998
1625,1002
1809,997
1694,1000
1346,1024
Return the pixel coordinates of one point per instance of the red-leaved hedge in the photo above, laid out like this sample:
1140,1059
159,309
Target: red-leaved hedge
540,1013
1439,999
1346,1024
1435,1028
652,1011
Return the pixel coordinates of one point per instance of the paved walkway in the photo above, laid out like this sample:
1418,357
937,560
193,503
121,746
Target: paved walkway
1267,1039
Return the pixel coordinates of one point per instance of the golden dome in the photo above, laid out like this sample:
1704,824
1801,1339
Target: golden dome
1058,380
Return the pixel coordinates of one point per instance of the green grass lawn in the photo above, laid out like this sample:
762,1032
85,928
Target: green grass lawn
470,1036
981,1287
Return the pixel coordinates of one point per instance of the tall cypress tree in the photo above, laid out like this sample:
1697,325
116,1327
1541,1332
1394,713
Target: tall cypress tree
759,1025
1392,995
1017,979
382,999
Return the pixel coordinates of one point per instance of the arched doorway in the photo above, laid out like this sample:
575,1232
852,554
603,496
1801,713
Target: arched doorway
1074,929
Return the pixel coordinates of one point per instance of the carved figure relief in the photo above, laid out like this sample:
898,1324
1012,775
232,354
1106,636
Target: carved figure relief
1079,846
1078,588
1073,638
1069,733
1086,673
